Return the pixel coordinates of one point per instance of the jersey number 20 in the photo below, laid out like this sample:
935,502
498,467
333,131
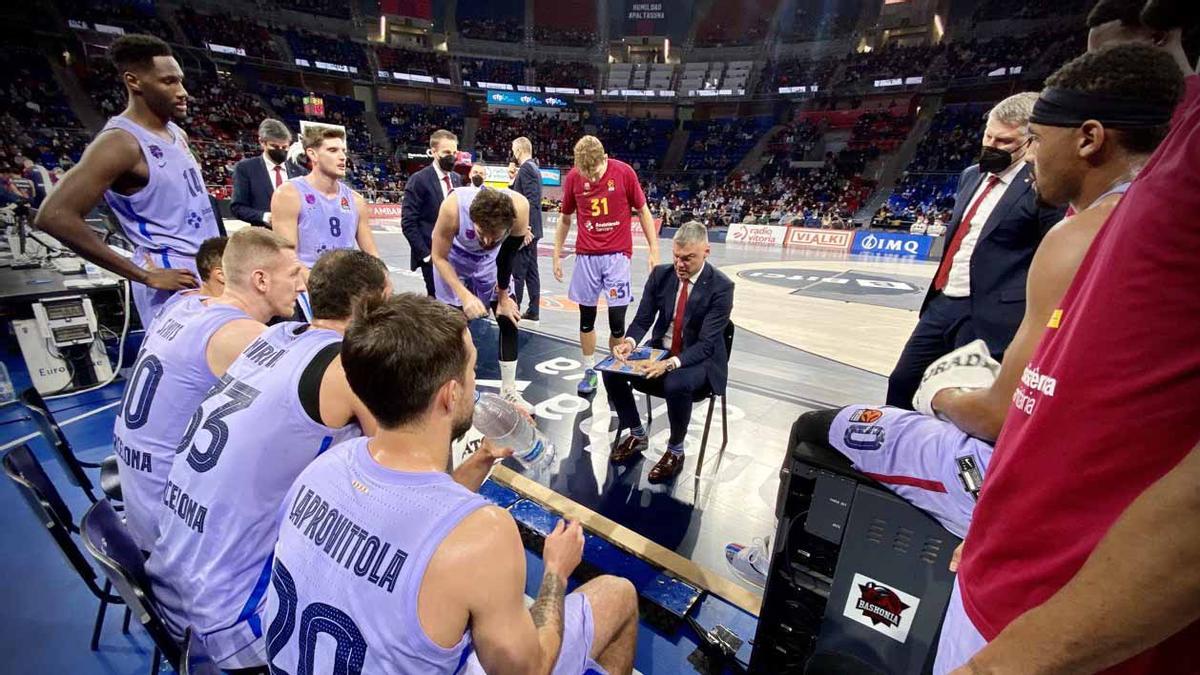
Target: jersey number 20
317,618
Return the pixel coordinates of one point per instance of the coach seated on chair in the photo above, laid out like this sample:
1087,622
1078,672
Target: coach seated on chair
256,178
688,302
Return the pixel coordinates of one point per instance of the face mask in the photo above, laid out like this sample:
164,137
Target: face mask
477,180
512,159
446,162
277,155
994,160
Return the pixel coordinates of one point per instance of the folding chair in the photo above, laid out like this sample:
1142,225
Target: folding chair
700,396
109,542
194,660
110,482
48,505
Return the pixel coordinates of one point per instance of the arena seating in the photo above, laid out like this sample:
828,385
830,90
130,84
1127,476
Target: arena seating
132,17
717,145
340,51
492,70
343,110
640,142
553,138
887,63
230,31
565,74
567,23
498,21
338,9
823,20
35,119
799,72
993,10
411,61
736,23
409,125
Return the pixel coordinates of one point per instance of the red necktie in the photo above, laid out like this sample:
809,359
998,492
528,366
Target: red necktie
278,176
943,273
449,187
677,324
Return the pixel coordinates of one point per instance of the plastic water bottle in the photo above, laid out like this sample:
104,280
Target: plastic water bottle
499,421
7,393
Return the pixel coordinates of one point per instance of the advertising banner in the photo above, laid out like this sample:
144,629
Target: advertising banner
892,243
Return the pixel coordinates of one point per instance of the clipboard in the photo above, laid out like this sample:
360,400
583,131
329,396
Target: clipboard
612,365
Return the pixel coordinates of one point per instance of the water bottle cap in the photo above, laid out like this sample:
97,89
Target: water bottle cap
477,396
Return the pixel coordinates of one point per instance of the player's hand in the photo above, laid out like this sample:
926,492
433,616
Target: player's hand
492,452
557,269
622,350
528,239
563,548
473,308
956,558
170,279
653,260
653,369
506,306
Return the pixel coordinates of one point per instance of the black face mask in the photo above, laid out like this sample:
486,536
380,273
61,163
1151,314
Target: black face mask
446,162
477,180
512,159
277,155
994,160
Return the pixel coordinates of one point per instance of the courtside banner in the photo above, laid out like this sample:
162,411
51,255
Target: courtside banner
759,235
385,211
819,240
892,243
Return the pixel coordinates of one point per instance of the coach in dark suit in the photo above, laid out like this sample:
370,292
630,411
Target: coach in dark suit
528,182
997,225
256,178
688,303
423,195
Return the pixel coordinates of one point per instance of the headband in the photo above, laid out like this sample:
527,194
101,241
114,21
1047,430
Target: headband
1058,107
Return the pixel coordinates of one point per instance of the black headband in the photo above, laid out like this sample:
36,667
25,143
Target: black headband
1067,108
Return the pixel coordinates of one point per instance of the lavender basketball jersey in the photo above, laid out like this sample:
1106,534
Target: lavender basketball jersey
355,542
172,212
325,224
169,380
474,264
245,445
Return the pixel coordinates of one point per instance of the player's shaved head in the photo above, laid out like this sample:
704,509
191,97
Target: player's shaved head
250,249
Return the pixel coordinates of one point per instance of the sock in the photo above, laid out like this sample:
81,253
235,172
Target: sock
638,432
589,360
508,375
675,449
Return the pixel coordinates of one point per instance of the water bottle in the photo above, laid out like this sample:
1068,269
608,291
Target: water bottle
505,426
7,393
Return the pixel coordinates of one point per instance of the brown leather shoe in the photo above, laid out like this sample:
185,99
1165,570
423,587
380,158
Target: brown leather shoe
631,447
667,468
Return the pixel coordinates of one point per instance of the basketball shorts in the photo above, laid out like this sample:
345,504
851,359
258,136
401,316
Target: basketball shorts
149,301
930,463
575,655
479,276
605,275
959,640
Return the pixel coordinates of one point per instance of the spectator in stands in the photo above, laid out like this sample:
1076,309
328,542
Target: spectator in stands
528,182
978,290
255,179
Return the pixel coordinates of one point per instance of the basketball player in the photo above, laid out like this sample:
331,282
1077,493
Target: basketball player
476,237
319,212
208,265
187,350
282,403
607,191
937,465
406,570
141,166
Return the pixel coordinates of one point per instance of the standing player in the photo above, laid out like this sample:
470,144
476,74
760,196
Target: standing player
478,233
187,349
319,212
607,191
141,166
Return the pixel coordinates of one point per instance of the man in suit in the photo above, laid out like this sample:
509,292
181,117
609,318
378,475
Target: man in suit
423,195
256,178
997,224
528,183
689,303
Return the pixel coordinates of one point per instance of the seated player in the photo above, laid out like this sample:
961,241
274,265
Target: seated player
208,264
319,212
477,235
282,403
406,570
688,304
1092,158
187,349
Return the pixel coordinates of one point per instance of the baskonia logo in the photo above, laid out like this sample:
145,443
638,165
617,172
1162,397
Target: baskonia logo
880,604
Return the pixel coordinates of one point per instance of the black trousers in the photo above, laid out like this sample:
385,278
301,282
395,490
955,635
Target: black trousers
678,387
944,327
525,273
427,272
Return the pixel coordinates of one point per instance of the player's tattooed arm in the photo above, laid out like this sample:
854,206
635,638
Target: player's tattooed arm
547,610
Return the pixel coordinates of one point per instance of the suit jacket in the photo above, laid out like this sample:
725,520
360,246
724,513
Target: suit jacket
252,188
418,212
528,183
1000,261
709,305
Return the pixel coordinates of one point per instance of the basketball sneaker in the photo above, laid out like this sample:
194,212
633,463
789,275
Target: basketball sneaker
514,397
587,386
750,562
